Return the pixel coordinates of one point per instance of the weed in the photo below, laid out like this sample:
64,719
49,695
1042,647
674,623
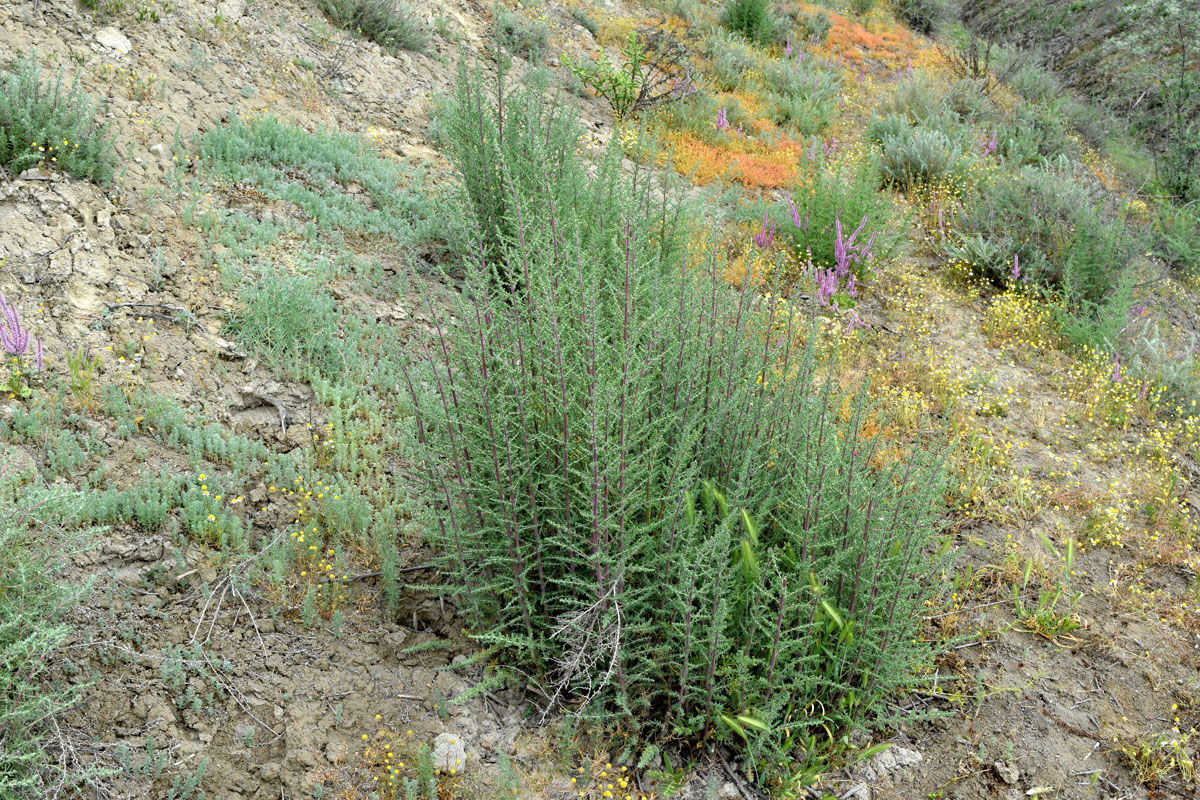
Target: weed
653,72
752,19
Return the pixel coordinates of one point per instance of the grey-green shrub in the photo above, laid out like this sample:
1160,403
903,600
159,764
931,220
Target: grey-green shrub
918,158
35,595
290,321
391,24
639,485
53,124
888,126
522,36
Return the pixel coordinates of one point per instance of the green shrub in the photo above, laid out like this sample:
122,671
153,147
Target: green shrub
52,125
848,193
391,24
522,36
916,97
1036,134
889,126
586,22
919,158
1055,225
923,16
290,321
34,598
733,60
697,114
1177,230
635,501
860,7
802,97
752,19
814,25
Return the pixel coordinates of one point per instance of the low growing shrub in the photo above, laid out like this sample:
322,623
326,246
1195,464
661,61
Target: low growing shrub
919,158
646,498
51,124
522,36
34,597
391,24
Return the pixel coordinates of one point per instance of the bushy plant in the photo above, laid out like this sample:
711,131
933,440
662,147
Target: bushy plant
919,158
1178,236
647,498
291,322
860,7
845,193
522,36
917,97
924,16
752,19
814,25
1049,224
391,24
732,59
51,124
34,597
801,96
653,72
1035,134
888,126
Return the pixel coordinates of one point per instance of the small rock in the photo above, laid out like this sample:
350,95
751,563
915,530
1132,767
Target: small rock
882,765
162,150
1007,771
859,791
449,753
113,39
728,791
231,10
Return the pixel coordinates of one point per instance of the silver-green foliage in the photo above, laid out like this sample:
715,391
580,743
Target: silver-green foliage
919,157
51,123
642,491
35,596
390,24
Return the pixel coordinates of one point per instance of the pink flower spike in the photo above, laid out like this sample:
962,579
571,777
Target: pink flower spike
1116,376
39,361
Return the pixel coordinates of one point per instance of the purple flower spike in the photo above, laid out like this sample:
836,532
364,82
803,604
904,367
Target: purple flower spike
1116,376
1015,272
14,339
722,120
766,235
795,213
39,361
787,47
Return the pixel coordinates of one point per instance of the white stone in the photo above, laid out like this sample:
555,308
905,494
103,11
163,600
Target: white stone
231,10
113,39
449,753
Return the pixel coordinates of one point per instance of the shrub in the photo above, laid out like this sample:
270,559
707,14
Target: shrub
391,24
52,124
860,7
1178,237
916,97
1055,226
889,126
815,25
1036,134
586,22
919,158
290,322
636,499
34,597
845,192
733,60
923,16
752,19
697,114
801,97
522,36
653,72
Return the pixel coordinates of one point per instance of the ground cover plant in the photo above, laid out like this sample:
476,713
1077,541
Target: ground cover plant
608,409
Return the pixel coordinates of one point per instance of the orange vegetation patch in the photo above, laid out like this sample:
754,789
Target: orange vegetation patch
765,170
884,50
703,162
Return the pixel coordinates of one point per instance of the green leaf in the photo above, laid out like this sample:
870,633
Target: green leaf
754,722
833,613
734,726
